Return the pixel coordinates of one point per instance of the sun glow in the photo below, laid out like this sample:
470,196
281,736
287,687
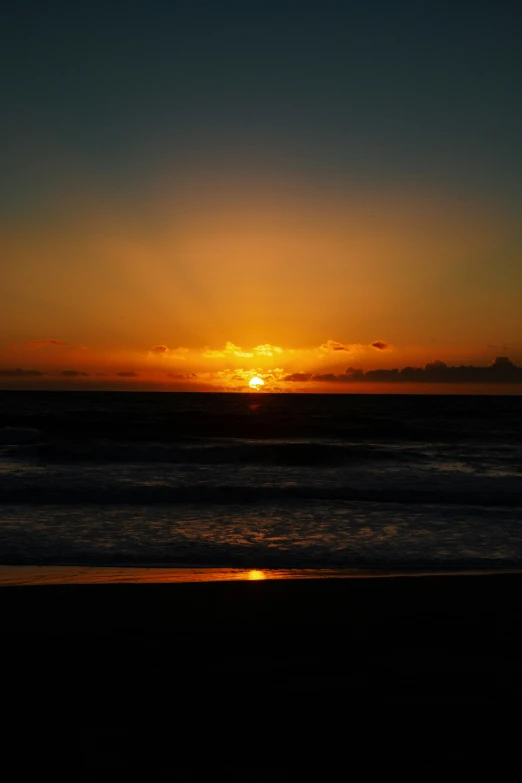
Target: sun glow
255,575
256,383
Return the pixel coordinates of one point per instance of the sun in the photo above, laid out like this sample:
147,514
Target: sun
256,383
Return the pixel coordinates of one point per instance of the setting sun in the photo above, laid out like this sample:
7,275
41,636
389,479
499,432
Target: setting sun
256,382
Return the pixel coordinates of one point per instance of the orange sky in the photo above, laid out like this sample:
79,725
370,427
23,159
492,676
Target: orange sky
194,175
198,289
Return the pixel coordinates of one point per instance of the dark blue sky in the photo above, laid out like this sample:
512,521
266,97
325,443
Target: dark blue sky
378,93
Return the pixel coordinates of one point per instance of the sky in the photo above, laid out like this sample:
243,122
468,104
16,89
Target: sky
323,196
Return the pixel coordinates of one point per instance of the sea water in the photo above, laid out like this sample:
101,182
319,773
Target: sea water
260,480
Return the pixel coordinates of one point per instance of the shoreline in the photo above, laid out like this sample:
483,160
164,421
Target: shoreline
408,606
34,575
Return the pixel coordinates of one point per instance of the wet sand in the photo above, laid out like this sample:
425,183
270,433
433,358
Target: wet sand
127,661
63,574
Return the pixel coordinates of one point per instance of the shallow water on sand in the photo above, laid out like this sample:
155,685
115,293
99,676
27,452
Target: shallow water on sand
49,575
314,534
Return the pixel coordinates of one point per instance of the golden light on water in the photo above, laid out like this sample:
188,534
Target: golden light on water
256,575
40,575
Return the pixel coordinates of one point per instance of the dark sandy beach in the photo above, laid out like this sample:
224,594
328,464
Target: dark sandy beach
128,677
434,609
122,661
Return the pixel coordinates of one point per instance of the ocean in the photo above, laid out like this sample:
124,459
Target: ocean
260,480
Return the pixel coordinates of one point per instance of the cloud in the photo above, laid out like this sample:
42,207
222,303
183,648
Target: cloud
354,373
73,373
18,373
329,377
502,361
267,350
39,343
502,370
127,374
236,379
170,353
343,377
230,350
235,350
101,374
275,374
296,377
239,374
333,345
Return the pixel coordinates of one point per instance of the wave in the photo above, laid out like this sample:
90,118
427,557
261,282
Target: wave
167,418
205,452
147,495
190,425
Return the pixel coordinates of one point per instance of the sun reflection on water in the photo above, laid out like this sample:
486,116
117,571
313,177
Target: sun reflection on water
256,575
36,575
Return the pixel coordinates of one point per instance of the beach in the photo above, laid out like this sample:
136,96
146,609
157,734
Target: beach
472,618
128,663
115,600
